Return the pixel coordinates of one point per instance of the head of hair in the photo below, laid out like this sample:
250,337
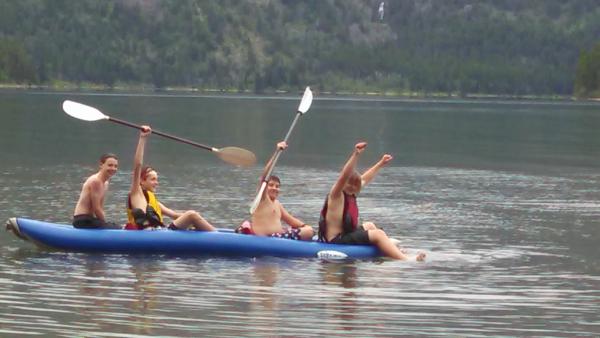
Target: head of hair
106,156
145,171
355,180
274,179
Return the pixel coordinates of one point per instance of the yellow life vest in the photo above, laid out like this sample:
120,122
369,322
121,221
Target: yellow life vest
152,204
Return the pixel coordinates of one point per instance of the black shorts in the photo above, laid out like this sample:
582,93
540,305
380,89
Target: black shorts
357,237
91,222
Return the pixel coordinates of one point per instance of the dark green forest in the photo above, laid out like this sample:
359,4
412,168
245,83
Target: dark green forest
458,47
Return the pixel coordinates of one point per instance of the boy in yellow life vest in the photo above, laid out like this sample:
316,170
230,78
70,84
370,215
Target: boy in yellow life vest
143,208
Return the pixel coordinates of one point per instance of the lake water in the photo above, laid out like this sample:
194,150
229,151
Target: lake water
503,196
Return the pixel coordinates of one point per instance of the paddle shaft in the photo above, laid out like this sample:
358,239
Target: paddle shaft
265,179
175,138
278,151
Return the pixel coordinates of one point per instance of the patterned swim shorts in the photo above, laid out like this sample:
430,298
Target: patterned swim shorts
289,234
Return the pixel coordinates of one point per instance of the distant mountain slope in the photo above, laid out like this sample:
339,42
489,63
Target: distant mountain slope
507,47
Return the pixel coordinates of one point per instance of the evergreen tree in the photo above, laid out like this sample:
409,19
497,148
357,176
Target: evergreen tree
587,79
507,47
15,63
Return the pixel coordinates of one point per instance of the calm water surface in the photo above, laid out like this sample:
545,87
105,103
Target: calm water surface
503,196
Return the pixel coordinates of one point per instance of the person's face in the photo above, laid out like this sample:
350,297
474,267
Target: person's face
110,166
273,189
151,181
353,185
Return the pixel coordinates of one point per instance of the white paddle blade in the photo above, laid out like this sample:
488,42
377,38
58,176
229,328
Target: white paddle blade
83,112
237,156
306,101
258,198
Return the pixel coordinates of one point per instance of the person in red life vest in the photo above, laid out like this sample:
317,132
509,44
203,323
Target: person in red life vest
266,219
143,208
338,223
89,211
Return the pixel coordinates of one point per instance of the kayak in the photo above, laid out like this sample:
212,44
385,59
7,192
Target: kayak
224,242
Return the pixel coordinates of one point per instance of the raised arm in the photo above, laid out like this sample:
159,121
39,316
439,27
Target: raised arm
280,146
138,159
368,175
347,170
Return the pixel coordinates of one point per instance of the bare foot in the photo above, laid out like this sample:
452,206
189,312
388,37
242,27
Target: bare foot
421,256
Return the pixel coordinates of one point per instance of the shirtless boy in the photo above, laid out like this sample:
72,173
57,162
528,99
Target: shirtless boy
339,217
89,212
266,219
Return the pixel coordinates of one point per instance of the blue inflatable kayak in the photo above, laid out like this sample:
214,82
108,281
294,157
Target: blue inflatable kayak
223,242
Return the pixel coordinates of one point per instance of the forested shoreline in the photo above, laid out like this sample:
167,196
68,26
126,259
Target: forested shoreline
463,48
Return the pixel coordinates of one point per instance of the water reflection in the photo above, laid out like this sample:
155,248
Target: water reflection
95,285
144,291
341,304
265,278
93,290
339,273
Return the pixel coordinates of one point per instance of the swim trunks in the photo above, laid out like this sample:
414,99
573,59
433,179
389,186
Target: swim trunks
85,221
288,234
246,229
358,237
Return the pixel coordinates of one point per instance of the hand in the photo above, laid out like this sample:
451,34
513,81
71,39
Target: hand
385,159
359,147
281,145
145,131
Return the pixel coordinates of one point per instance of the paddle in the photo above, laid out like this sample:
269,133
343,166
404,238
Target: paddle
231,155
302,108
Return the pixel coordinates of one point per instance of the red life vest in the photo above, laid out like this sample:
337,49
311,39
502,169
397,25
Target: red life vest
349,217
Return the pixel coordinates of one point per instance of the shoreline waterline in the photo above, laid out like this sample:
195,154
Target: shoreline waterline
213,92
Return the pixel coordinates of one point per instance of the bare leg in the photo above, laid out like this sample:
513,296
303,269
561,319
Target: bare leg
395,241
382,241
371,226
193,218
